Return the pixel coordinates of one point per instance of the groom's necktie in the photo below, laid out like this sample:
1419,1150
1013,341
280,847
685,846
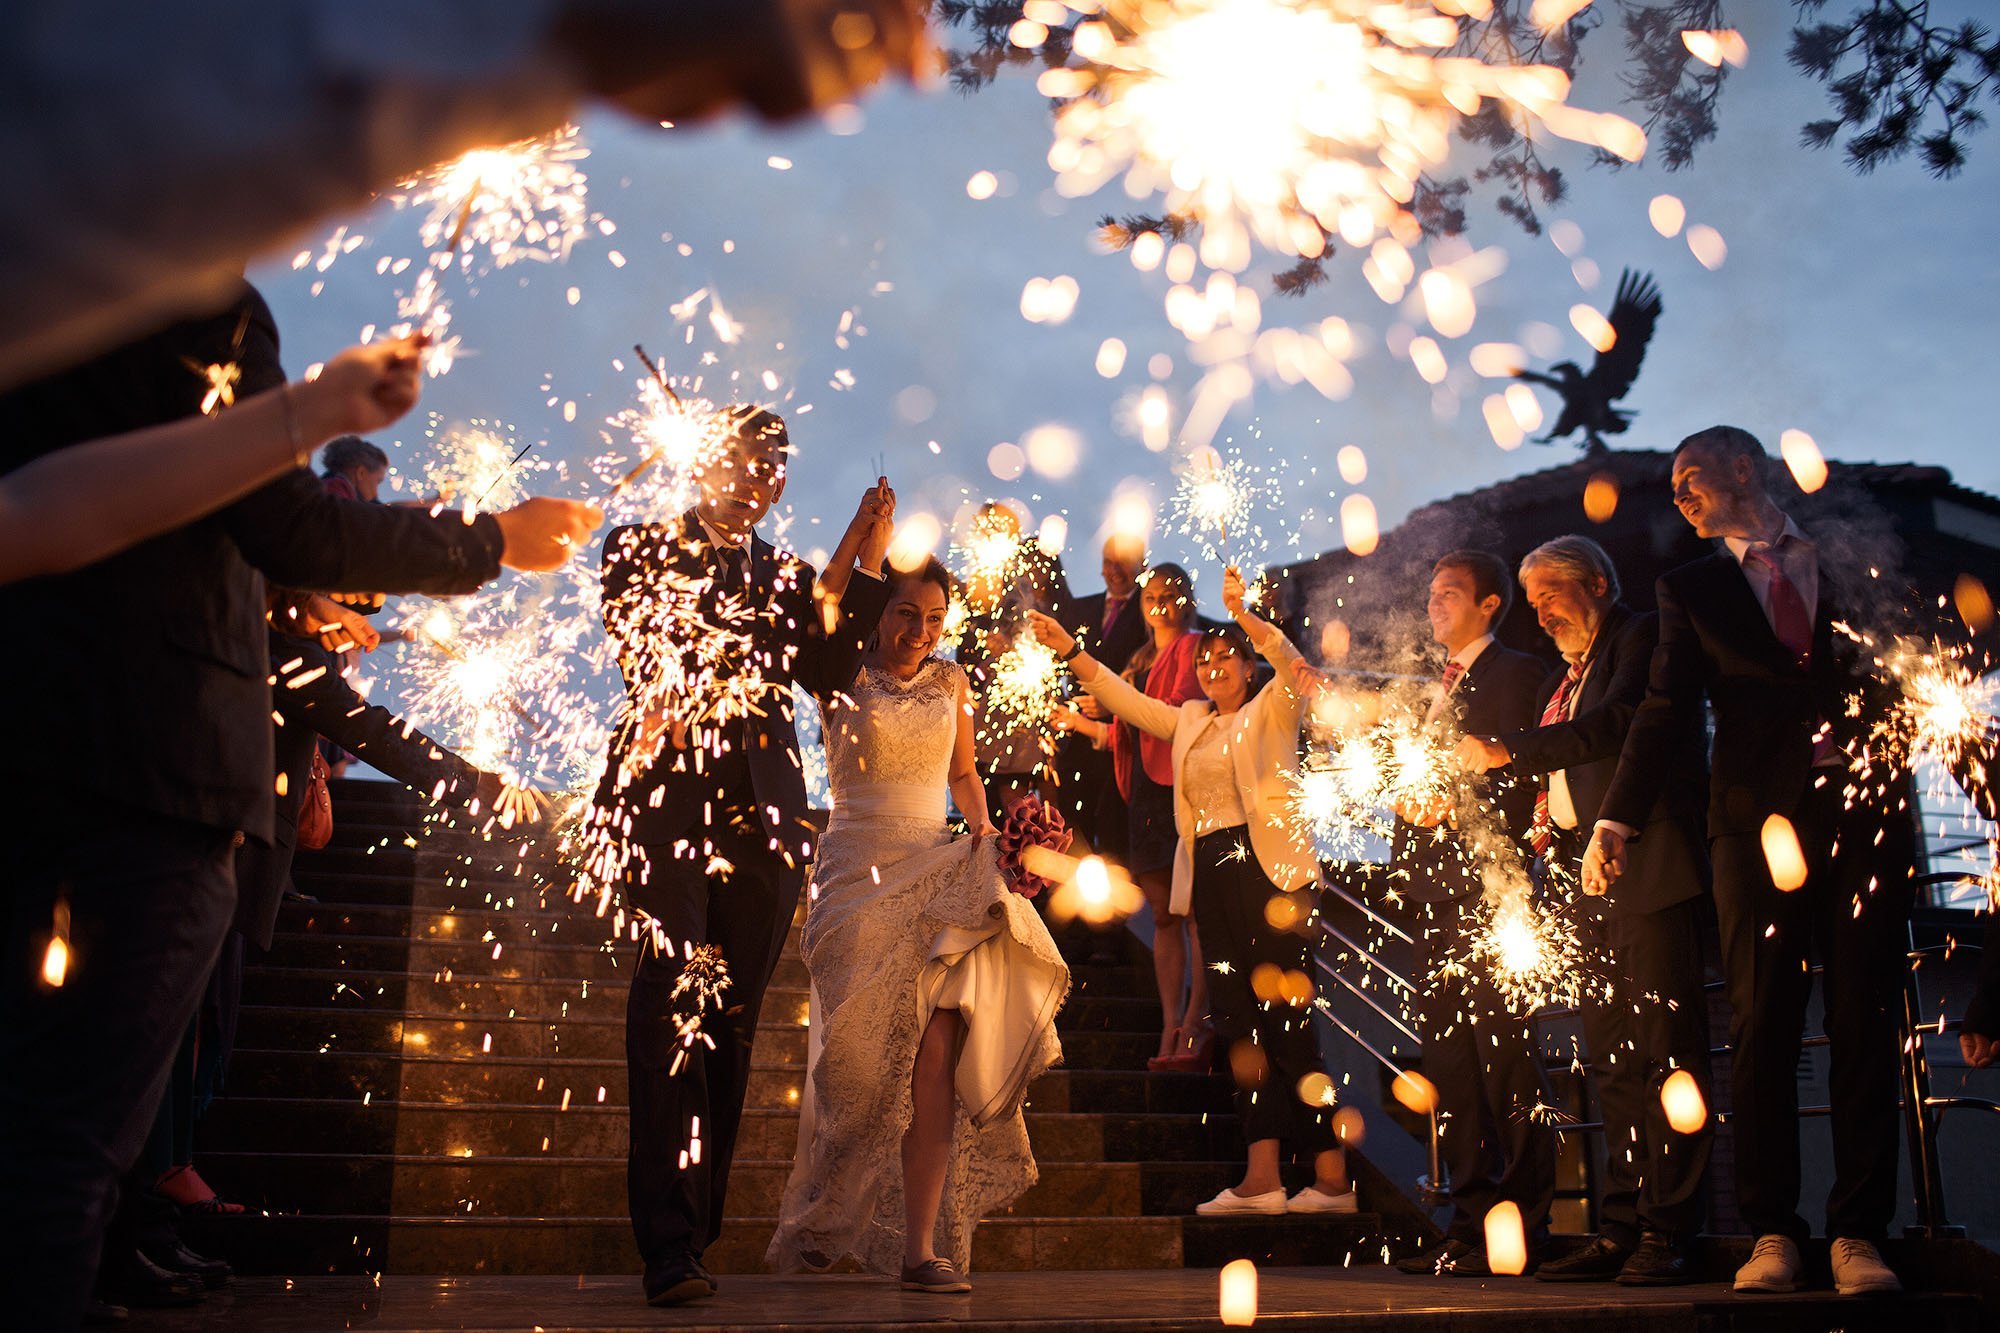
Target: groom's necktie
734,566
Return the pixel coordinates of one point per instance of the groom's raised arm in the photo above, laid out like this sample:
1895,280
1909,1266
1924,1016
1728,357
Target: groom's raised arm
829,656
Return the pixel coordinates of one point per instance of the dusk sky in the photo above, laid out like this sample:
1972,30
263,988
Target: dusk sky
1859,309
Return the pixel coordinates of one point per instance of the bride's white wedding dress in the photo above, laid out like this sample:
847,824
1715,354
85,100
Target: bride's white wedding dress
902,920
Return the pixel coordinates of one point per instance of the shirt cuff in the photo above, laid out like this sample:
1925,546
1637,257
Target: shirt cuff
875,574
1625,831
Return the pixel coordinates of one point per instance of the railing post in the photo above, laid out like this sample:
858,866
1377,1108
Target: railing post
1920,1122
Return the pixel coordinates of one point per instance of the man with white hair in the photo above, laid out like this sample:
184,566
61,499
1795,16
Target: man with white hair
1649,1017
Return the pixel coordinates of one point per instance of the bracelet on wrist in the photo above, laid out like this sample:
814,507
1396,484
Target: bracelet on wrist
1075,651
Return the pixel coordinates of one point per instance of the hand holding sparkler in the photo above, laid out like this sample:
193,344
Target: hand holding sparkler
1309,679
1477,754
1603,861
1049,632
341,629
1234,592
542,532
362,389
875,522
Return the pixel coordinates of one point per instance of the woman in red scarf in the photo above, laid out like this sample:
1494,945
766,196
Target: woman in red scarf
1164,668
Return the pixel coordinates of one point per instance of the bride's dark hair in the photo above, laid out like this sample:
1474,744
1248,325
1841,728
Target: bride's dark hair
932,570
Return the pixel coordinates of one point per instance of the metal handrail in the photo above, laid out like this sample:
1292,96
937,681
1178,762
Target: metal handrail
1921,1110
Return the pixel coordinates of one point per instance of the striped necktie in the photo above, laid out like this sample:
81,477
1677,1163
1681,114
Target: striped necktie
1542,831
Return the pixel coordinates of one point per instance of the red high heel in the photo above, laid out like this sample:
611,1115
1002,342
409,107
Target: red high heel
1158,1063
1194,1053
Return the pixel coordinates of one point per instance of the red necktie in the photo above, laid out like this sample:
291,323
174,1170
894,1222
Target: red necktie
1789,617
1792,623
1542,831
1453,669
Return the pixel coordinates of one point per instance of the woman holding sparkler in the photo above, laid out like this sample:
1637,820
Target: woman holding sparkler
1163,668
898,912
1239,860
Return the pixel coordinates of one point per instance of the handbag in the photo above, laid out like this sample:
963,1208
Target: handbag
316,811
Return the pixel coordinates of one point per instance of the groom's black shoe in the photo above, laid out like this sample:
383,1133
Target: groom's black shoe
678,1281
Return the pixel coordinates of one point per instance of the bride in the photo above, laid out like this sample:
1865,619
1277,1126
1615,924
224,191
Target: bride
934,987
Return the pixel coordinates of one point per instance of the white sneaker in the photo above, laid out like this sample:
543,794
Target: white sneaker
1774,1266
1858,1270
1229,1201
1313,1199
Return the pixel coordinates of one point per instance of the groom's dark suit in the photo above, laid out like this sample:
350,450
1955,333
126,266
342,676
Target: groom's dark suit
726,838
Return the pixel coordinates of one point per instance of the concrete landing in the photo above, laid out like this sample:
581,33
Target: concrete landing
1128,1301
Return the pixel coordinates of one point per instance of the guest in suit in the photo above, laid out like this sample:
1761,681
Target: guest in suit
1748,633
1011,575
1482,1058
1650,1017
1112,625
715,811
140,753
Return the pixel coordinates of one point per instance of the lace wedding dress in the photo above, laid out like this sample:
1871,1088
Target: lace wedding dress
903,920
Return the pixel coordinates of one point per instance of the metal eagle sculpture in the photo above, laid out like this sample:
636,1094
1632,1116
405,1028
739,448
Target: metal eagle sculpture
1588,398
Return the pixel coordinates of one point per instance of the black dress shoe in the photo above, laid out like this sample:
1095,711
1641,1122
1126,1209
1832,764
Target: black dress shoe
100,1313
1447,1256
1660,1261
178,1258
678,1282
130,1278
1598,1261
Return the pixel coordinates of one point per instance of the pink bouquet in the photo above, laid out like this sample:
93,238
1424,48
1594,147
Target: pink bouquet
1032,822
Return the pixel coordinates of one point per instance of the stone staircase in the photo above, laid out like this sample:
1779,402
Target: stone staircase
430,1079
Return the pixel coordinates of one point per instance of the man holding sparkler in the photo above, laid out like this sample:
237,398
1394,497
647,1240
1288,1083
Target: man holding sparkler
142,756
1651,1017
1481,1057
705,786
1749,632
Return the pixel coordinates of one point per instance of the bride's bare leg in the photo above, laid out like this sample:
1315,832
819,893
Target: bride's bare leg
928,1143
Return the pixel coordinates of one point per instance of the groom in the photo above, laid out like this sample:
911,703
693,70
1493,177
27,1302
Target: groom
713,815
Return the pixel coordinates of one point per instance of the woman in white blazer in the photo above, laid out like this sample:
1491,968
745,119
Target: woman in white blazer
1234,756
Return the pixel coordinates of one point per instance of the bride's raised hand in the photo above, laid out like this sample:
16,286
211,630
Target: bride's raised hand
875,523
1048,631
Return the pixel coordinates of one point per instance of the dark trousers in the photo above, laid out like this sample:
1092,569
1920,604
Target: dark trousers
1768,939
1271,1045
1652,1021
744,913
1484,1063
87,1063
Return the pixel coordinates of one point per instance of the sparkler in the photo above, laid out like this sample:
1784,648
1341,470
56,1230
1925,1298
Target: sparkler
675,434
1942,710
1356,772
1287,124
704,976
1023,685
1532,957
1216,494
479,466
523,200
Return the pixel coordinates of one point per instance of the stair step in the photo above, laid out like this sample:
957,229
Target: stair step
449,1185
412,1122
599,1035
301,1245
